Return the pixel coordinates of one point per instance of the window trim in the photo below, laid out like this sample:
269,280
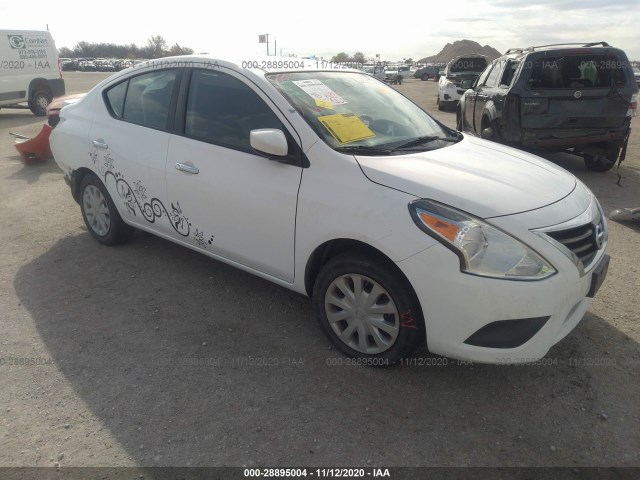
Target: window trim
169,126
296,156
497,66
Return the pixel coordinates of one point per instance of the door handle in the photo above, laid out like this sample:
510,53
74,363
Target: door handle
100,144
183,167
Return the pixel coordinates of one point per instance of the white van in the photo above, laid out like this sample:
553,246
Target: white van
29,70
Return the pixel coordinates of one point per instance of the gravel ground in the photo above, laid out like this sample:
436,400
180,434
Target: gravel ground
154,355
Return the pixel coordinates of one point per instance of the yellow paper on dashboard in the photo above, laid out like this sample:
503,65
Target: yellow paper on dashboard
346,127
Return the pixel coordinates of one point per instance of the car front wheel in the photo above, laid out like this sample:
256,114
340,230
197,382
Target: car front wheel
367,309
100,214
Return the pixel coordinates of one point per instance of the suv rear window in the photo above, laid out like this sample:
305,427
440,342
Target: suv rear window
470,64
578,71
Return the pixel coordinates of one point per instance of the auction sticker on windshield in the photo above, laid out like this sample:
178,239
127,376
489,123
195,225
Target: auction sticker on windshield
319,91
346,127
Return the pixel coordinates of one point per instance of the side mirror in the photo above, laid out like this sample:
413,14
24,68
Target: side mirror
270,141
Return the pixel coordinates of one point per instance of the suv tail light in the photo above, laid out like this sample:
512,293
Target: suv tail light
633,106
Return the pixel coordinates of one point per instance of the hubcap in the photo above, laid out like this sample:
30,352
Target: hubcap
96,210
362,314
42,101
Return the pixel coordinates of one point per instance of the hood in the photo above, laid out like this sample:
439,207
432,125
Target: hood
477,176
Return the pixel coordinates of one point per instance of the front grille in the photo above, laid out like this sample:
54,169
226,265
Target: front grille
580,240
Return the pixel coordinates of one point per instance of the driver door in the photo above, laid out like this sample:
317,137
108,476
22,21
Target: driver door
232,201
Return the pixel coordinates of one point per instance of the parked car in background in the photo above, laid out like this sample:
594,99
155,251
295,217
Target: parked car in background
405,71
334,185
104,65
577,97
427,72
87,66
636,74
67,65
121,64
461,69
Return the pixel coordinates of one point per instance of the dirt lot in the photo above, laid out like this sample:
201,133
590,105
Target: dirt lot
153,355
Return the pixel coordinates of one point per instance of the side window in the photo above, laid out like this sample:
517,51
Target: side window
223,110
509,73
115,98
496,71
484,75
148,97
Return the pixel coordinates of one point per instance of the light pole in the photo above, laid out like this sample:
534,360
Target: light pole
264,39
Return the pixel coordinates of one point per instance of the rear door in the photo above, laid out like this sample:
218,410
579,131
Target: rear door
577,90
128,146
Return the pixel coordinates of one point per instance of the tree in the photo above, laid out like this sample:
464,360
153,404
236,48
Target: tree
359,57
340,58
65,52
157,46
178,50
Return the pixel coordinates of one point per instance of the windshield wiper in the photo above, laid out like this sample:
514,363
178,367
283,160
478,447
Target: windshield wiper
425,139
364,149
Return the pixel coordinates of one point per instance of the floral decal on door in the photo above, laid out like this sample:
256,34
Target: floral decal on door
135,201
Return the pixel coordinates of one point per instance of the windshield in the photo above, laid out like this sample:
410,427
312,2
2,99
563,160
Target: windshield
355,112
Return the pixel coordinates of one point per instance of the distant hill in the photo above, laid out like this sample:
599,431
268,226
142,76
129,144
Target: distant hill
461,47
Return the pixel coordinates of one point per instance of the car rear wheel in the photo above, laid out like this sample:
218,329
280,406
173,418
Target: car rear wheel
602,161
367,309
39,102
424,77
441,106
100,214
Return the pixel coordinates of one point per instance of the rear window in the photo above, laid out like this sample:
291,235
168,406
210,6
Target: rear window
578,71
468,65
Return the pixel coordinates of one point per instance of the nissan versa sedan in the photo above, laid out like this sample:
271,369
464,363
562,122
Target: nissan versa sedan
332,184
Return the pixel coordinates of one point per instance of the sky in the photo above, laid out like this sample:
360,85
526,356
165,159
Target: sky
395,30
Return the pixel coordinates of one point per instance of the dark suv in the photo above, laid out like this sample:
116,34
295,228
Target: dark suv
571,97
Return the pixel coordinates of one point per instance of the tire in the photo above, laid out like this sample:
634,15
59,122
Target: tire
489,130
100,214
602,162
459,123
384,332
39,102
441,105
424,77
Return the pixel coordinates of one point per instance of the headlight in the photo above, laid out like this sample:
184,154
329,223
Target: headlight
483,250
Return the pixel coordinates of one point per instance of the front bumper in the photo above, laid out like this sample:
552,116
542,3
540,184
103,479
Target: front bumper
489,320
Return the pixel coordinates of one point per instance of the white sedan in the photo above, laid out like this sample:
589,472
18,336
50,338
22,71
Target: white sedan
332,184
